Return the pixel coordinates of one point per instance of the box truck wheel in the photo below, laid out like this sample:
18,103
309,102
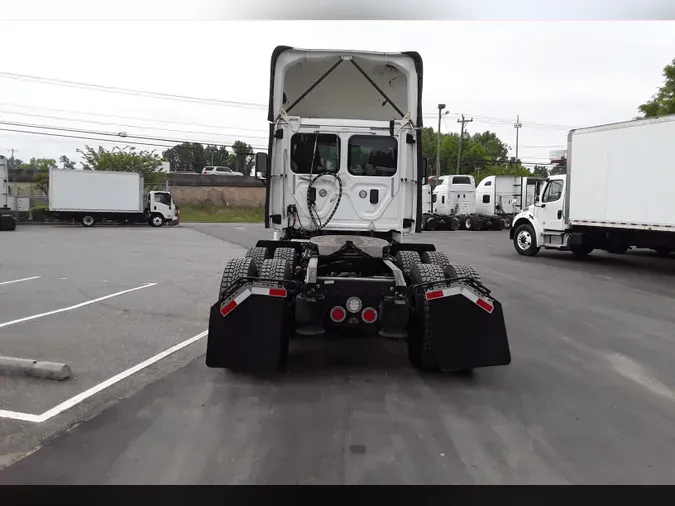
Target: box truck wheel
580,250
88,220
524,241
420,338
406,260
236,268
156,220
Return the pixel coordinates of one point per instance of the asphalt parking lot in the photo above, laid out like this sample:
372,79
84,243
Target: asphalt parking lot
151,289
589,397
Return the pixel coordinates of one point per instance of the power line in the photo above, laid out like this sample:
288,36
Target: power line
493,119
108,123
111,134
135,118
121,141
129,91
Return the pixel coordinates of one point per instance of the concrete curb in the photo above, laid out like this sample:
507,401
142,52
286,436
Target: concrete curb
34,368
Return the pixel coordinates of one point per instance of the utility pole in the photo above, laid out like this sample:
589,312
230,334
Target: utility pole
11,152
517,125
461,139
438,143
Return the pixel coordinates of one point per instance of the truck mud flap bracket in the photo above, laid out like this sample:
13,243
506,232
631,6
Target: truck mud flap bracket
249,330
468,328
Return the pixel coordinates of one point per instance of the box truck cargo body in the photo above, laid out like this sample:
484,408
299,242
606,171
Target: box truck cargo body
617,194
90,196
506,196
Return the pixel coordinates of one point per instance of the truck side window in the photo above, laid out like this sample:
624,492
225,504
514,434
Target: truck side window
552,192
489,183
486,198
372,155
163,198
326,156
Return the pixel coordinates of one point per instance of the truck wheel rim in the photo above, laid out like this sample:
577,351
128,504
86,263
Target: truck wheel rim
156,220
88,220
524,239
467,223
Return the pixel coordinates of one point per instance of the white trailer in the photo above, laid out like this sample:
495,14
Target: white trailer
617,193
506,196
90,196
7,215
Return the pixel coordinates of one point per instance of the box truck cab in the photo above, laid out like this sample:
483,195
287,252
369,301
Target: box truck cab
599,204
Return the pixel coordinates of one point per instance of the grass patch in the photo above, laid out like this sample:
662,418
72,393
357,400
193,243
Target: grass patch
197,213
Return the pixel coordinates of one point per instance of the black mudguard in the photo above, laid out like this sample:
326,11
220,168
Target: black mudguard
253,336
468,334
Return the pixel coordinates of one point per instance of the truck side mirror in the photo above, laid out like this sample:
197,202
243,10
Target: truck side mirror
261,165
425,170
434,197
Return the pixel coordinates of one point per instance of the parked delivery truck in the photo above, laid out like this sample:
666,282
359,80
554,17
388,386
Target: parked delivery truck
617,194
506,196
91,196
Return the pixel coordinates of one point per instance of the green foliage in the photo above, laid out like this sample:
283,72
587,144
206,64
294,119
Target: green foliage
216,155
186,157
66,162
14,163
242,158
125,159
41,181
540,171
199,213
663,101
559,168
39,164
483,154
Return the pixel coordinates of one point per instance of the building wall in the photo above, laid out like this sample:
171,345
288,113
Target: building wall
224,196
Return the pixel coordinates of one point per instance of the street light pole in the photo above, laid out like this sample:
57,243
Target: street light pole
438,143
461,139
517,125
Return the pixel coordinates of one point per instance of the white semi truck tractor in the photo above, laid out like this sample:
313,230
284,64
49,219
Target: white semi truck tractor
617,193
343,173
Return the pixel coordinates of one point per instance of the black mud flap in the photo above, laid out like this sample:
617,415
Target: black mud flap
468,328
249,330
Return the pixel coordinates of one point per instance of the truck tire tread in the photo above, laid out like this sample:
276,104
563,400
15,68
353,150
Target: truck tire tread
420,342
436,258
406,260
258,254
236,268
275,268
286,254
464,271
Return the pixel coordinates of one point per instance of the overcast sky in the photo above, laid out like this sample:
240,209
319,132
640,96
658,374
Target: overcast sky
556,75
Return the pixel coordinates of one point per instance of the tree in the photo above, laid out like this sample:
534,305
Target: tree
560,167
41,181
66,162
40,164
242,158
216,155
663,101
186,157
125,159
540,171
14,163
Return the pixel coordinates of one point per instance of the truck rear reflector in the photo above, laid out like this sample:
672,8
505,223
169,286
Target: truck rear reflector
227,307
457,290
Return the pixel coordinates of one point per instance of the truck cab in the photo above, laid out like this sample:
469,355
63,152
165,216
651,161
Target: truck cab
455,195
543,223
161,208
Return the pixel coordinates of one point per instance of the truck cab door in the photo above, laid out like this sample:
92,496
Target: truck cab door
161,202
549,210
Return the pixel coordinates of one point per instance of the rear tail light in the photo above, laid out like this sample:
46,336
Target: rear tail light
369,315
338,314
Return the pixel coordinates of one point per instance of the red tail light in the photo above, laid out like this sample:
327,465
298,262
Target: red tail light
338,314
369,315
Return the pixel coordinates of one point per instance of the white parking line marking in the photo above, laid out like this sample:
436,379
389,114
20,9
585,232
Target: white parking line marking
76,306
19,280
73,401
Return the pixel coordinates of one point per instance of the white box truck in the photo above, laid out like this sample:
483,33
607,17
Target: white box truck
617,194
91,196
7,214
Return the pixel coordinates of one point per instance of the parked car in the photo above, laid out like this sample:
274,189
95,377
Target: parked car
218,170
